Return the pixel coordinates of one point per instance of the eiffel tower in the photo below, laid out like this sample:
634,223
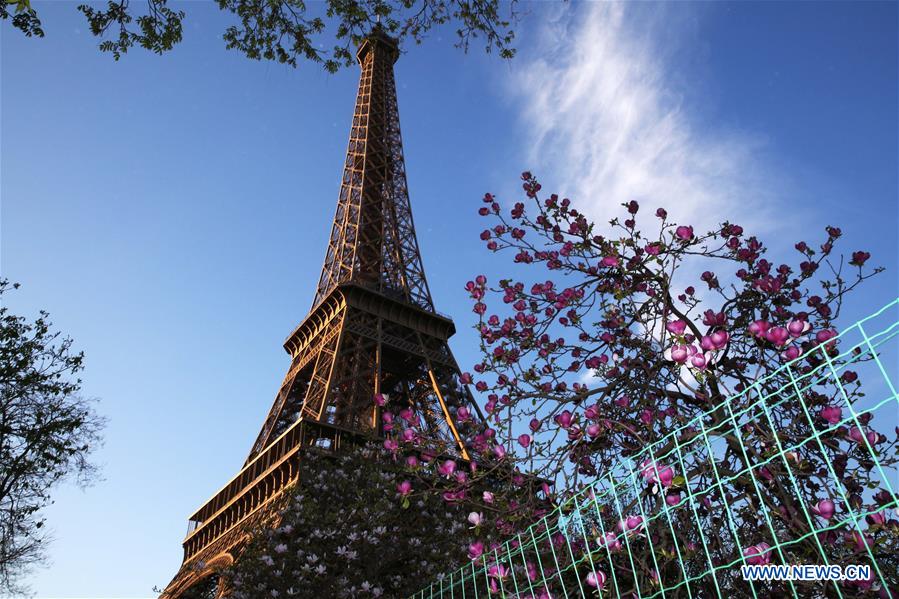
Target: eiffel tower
372,330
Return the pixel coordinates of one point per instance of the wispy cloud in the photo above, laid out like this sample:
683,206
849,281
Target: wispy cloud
607,123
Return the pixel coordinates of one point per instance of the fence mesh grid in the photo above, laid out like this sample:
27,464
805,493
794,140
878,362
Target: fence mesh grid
605,541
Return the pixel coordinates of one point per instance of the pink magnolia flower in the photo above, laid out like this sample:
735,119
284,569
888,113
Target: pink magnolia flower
824,508
380,400
475,519
791,353
524,440
454,496
630,524
656,473
720,339
499,451
498,571
622,402
759,328
797,327
679,354
564,419
778,336
876,519
404,488
859,436
412,461
634,522
595,579
825,335
758,555
859,258
713,319
610,541
488,497
447,468
699,361
574,433
610,261
475,550
831,414
535,425
593,430
672,499
391,445
684,232
676,327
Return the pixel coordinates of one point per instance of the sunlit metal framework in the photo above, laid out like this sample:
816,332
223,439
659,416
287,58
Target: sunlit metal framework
372,329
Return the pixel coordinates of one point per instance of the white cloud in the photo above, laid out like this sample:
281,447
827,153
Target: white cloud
606,120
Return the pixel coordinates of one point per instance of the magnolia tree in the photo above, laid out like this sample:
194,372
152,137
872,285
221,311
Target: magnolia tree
349,529
714,412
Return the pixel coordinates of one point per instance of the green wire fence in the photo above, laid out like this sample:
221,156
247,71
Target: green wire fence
766,477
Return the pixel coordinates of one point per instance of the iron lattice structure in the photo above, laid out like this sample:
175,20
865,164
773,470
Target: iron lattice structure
372,330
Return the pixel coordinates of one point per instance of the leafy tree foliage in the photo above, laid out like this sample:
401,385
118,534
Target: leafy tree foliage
287,30
24,18
47,431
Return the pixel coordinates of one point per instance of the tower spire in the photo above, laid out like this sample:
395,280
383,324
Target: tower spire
372,332
372,241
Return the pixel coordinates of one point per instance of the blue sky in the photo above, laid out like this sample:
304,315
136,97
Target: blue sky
171,212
